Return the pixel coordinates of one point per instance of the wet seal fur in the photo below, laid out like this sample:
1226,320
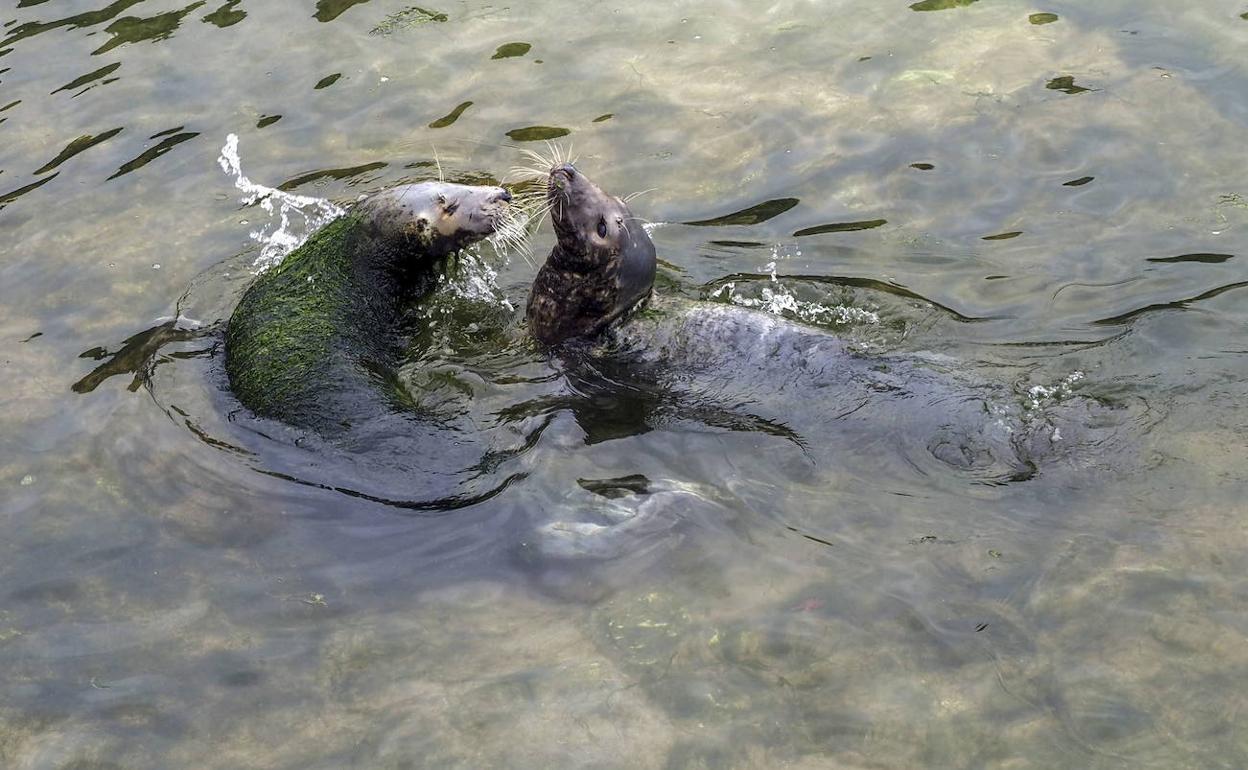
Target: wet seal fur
762,369
601,268
314,340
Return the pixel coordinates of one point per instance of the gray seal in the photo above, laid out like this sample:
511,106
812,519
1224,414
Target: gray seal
741,368
315,340
602,266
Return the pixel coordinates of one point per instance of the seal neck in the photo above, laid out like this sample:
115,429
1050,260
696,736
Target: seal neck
577,260
383,253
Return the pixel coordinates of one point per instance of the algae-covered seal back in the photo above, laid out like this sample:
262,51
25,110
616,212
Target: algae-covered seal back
313,339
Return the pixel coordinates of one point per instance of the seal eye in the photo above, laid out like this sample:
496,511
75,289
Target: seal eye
602,228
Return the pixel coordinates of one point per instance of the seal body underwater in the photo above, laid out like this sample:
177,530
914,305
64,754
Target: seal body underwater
313,340
752,368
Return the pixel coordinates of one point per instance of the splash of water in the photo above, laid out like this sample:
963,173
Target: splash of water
1039,396
777,299
474,280
298,216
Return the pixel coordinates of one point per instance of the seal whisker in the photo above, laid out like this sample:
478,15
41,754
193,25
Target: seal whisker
438,162
539,159
526,172
511,235
530,205
638,194
535,156
540,216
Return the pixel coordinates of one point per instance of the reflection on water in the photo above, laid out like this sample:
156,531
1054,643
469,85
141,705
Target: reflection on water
668,566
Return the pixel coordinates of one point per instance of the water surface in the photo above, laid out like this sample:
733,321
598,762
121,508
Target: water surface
1020,193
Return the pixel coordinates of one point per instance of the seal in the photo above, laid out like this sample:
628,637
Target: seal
314,341
601,267
740,368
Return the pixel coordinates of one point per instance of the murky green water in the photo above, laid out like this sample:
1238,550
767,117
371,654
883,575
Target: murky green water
1020,192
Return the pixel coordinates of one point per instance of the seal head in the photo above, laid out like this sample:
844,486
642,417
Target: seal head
433,219
601,267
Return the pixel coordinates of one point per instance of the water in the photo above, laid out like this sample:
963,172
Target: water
763,602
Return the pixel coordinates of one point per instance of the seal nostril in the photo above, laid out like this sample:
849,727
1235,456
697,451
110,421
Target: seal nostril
504,196
567,170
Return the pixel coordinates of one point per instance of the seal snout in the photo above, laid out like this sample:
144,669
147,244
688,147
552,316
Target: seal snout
503,195
561,176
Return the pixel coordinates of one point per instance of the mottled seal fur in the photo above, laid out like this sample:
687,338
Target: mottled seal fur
601,267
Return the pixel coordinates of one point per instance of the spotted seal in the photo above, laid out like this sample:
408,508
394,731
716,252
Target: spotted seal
312,339
602,266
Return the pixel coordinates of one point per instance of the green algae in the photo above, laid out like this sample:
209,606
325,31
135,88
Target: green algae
537,133
283,331
511,50
132,29
940,5
330,173
841,227
750,216
81,144
227,15
89,77
328,10
451,117
1066,84
406,19
13,195
153,153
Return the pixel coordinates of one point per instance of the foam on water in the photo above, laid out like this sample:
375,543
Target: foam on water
779,300
474,279
297,216
1039,396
